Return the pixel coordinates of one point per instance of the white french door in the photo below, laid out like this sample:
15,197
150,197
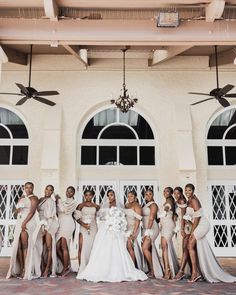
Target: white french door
120,187
10,192
222,236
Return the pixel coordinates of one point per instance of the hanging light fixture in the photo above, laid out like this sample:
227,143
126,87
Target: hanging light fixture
124,102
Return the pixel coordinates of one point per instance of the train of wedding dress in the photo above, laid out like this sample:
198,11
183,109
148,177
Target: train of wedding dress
110,261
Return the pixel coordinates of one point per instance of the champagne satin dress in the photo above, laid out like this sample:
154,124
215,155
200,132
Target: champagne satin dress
158,271
88,215
131,217
32,268
167,225
209,266
49,222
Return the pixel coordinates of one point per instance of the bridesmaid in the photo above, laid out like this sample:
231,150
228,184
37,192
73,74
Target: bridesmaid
167,224
133,212
65,209
22,258
48,227
202,258
185,228
150,233
86,217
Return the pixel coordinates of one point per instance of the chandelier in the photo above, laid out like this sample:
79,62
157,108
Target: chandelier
124,102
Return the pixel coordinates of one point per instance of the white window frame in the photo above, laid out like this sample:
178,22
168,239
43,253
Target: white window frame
14,141
220,142
116,142
6,250
220,251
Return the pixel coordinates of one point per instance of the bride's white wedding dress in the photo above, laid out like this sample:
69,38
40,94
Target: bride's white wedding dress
110,261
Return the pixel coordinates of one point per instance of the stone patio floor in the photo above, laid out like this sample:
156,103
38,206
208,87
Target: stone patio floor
71,286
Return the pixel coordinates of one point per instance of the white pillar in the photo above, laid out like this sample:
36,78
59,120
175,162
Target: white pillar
3,59
50,161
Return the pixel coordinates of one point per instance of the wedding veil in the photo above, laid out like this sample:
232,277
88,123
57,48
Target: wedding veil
105,202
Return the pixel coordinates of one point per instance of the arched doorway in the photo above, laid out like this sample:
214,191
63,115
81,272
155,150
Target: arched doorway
14,146
119,151
221,154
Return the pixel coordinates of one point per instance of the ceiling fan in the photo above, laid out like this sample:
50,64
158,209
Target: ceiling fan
217,93
29,92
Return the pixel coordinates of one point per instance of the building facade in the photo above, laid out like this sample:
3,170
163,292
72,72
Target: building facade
86,142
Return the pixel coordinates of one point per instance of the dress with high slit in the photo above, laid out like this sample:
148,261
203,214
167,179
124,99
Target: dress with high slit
209,266
48,222
131,217
157,267
88,216
65,210
167,225
32,268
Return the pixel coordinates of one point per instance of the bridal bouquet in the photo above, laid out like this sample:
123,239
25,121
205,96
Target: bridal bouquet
177,228
43,222
115,220
20,205
161,214
187,217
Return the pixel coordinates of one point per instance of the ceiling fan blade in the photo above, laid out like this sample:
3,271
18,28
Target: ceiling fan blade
8,93
23,89
21,101
223,102
230,95
44,100
226,89
45,93
198,93
202,101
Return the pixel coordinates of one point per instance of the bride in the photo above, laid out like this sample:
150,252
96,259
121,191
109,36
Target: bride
110,260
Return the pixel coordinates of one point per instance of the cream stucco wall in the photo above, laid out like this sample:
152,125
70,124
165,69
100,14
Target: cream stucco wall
163,100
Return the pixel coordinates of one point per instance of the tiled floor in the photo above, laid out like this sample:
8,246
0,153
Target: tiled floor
71,286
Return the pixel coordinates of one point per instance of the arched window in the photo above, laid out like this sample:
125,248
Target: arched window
115,138
221,139
14,139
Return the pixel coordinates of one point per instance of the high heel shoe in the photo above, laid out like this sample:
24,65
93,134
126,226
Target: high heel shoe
167,275
151,275
197,278
182,275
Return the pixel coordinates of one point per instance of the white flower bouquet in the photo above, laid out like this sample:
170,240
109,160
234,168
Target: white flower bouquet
87,221
115,220
177,228
187,217
128,233
43,222
148,233
162,214
20,205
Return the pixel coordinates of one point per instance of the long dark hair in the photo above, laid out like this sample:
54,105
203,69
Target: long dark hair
181,191
171,198
110,191
133,192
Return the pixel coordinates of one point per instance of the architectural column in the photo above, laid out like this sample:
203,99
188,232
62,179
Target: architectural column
3,59
184,145
50,162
